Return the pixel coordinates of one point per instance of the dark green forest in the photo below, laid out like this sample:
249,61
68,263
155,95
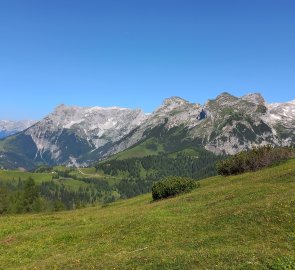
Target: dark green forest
139,174
27,196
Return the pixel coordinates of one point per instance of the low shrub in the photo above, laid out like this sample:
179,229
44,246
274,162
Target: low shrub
171,186
253,160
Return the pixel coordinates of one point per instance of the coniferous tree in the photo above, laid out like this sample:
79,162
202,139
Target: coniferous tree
30,196
4,200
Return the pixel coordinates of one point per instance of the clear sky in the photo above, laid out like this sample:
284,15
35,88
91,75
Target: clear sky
135,53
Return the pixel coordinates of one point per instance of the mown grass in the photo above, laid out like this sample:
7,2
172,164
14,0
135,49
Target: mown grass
239,222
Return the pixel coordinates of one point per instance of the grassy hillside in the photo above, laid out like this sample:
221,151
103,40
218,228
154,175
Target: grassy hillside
57,187
159,140
13,175
72,180
110,180
148,147
239,222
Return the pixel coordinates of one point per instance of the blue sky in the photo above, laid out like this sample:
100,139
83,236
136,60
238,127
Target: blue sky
135,53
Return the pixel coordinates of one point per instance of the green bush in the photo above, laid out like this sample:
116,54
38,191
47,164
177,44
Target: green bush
171,186
253,160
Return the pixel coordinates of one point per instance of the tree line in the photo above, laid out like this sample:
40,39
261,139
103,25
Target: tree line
254,159
26,196
139,174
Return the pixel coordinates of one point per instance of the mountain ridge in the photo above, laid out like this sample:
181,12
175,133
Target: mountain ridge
224,125
9,127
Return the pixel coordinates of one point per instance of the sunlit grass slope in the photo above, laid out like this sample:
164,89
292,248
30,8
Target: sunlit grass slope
73,181
239,222
13,175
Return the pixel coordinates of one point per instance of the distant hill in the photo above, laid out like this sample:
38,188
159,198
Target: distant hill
237,222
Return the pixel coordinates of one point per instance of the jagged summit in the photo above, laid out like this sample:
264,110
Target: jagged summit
170,104
225,95
254,98
225,98
61,106
174,101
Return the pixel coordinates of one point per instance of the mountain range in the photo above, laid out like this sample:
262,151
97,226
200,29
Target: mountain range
73,135
8,127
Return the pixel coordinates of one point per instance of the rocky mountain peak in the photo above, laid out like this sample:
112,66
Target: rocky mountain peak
60,107
176,101
225,98
225,95
170,104
87,128
255,98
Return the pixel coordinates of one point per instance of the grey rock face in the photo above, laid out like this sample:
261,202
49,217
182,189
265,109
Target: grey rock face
255,98
174,112
85,129
236,124
225,125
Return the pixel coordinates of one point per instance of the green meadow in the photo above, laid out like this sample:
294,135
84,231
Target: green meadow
237,222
